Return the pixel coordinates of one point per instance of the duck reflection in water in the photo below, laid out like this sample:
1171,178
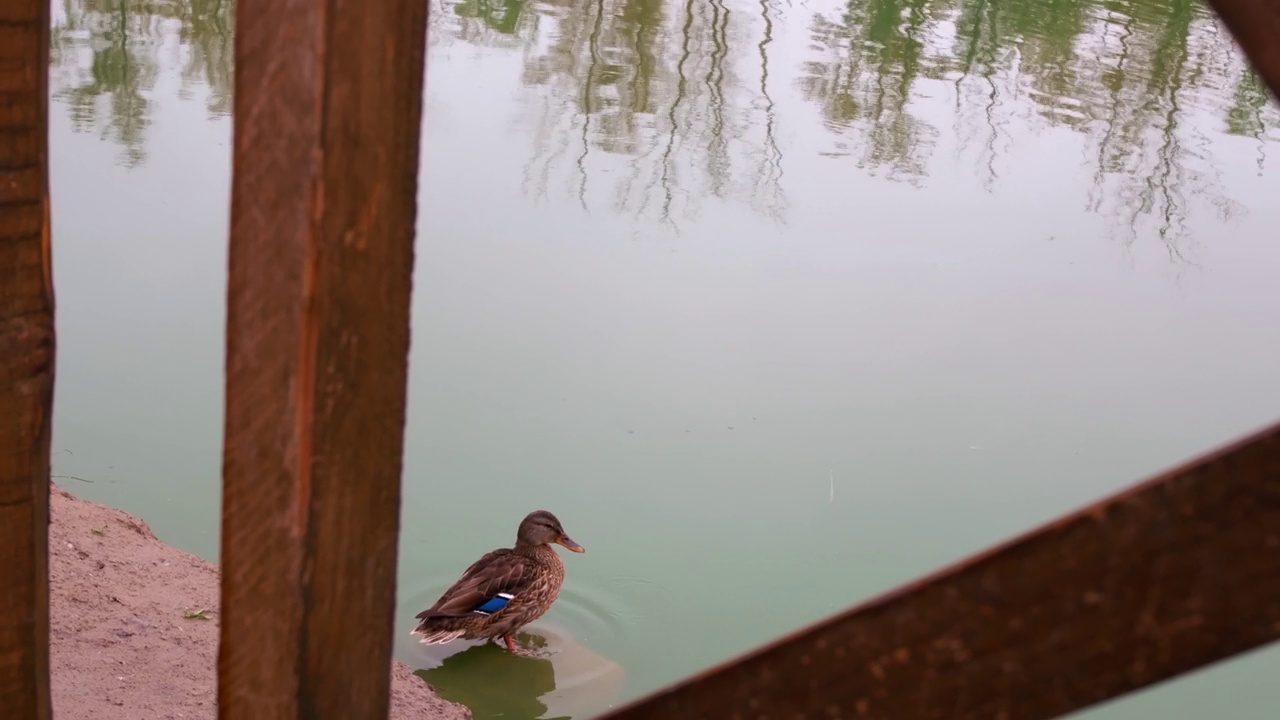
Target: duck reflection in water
492,682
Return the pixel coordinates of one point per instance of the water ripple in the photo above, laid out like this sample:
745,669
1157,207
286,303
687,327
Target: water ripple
602,612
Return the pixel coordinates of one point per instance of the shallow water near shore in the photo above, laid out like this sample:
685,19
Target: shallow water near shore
776,306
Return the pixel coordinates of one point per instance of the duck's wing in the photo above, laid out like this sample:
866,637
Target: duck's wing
486,587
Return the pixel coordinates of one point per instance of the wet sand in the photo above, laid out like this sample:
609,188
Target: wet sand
134,625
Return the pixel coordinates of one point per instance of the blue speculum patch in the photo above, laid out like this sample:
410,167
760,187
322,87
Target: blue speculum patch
493,604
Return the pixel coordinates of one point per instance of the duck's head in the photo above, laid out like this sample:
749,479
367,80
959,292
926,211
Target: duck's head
542,528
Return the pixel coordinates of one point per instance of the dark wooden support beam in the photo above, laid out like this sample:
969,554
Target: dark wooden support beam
327,120
26,359
1256,26
1176,573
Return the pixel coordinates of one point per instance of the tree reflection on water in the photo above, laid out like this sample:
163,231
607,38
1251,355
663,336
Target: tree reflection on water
651,108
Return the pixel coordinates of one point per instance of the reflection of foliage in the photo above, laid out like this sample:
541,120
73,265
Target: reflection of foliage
500,18
114,73
207,32
1144,151
652,106
649,89
1251,113
106,59
489,23
864,82
664,108
1123,74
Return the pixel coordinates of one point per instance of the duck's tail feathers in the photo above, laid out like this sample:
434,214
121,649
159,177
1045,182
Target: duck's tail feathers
436,637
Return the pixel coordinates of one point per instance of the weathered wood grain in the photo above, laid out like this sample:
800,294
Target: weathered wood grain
26,360
1256,26
325,160
1176,573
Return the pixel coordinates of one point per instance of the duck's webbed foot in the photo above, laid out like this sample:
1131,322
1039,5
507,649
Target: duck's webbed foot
516,648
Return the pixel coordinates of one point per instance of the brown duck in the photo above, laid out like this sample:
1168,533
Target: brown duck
504,590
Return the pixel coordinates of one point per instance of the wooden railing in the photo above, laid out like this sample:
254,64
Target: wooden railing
1171,575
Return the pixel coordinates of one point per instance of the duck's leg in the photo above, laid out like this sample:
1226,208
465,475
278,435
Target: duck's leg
511,642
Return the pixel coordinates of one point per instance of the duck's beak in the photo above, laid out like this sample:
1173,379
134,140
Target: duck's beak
565,541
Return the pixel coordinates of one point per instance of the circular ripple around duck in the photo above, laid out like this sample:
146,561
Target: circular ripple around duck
590,613
610,610
564,671
595,612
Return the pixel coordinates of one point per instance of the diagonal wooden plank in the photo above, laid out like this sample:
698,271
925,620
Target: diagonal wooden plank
26,360
327,121
1177,573
1173,574
1256,27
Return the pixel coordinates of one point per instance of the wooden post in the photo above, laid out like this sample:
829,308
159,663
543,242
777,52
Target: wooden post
26,359
327,120
1169,576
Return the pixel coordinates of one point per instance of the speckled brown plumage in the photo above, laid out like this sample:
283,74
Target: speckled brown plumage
504,590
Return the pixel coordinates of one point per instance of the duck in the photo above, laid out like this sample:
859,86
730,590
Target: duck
503,591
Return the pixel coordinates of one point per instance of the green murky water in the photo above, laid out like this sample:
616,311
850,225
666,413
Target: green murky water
776,305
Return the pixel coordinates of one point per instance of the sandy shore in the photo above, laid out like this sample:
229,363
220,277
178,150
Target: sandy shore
134,625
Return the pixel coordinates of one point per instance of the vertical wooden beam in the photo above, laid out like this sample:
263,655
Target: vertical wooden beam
26,359
327,119
1256,26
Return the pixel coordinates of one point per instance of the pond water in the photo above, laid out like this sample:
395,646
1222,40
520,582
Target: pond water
776,305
